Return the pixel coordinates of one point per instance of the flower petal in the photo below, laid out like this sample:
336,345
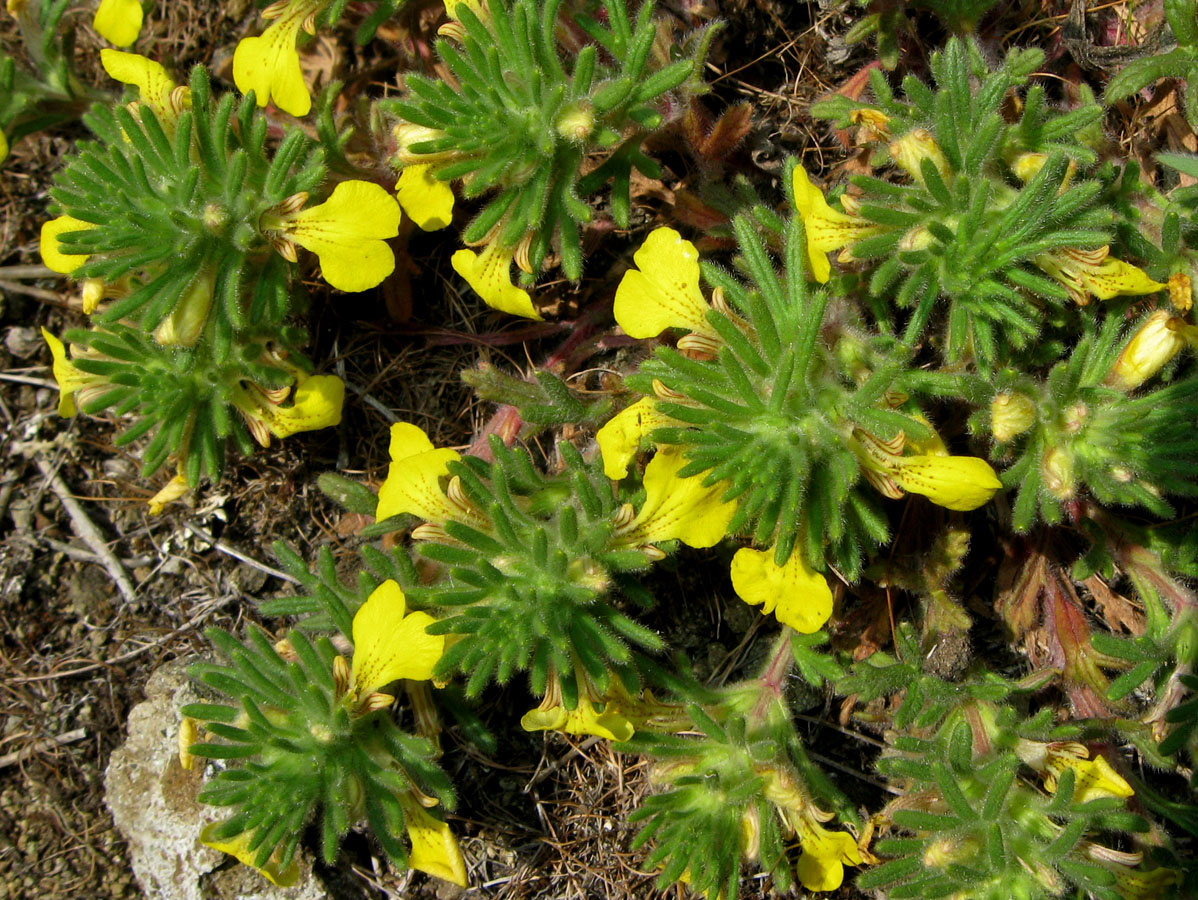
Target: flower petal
954,482
663,292
426,200
154,85
118,21
676,508
3,146
68,377
413,483
816,873
239,847
797,595
620,439
826,229
585,719
52,256
435,850
1113,277
1096,780
389,644
269,64
408,440
317,404
347,233
490,274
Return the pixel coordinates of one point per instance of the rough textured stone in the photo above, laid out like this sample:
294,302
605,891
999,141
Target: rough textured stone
153,803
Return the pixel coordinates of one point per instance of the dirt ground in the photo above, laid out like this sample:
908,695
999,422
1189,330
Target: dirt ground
544,817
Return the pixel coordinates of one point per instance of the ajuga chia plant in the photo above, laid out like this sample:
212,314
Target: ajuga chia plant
49,92
737,787
182,221
533,565
305,736
783,397
1100,425
995,804
546,110
1181,62
1000,224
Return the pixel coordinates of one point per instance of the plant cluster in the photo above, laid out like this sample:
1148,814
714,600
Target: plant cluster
997,357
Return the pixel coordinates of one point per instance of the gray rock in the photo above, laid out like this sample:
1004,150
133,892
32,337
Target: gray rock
153,803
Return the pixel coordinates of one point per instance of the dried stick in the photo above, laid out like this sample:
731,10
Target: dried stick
70,737
86,529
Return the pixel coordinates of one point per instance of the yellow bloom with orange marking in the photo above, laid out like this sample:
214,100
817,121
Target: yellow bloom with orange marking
826,229
683,509
348,233
795,593
414,479
269,65
490,274
663,291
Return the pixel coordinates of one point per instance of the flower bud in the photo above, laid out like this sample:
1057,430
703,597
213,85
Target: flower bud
1011,414
93,293
909,151
1027,165
575,122
406,134
185,324
1156,342
1056,469
1181,292
918,238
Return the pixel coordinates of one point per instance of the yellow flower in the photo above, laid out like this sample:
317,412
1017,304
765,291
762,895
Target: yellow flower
664,291
620,439
172,491
118,21
70,379
676,508
435,850
454,29
269,64
909,152
52,255
490,274
796,594
1095,779
1086,272
954,482
825,853
413,482
1138,884
316,404
155,87
239,847
426,200
826,228
3,146
1153,345
391,643
347,233
614,715
587,718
